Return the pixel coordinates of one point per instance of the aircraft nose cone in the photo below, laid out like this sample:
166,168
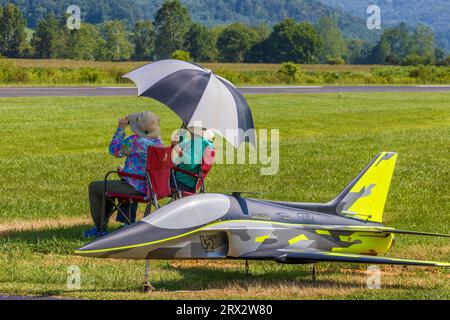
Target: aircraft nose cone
118,243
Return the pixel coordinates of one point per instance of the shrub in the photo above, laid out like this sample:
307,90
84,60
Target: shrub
335,60
181,55
231,76
423,73
7,70
444,62
389,71
90,75
414,60
289,71
332,77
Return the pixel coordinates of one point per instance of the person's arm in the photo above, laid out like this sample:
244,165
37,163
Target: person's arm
177,141
209,154
118,147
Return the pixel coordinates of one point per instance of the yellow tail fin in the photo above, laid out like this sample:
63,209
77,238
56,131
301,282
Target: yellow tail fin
365,197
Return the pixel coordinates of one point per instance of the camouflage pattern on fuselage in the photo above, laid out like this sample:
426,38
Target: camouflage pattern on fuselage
238,231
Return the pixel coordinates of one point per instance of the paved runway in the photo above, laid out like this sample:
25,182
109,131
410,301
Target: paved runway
131,91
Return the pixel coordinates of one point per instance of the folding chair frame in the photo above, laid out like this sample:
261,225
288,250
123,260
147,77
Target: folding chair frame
205,168
150,199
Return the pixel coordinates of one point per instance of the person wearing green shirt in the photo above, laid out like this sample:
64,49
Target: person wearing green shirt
189,148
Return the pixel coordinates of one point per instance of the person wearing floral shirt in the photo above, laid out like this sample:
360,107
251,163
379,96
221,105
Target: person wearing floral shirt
146,128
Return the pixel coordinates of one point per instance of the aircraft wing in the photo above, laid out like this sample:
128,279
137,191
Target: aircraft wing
293,257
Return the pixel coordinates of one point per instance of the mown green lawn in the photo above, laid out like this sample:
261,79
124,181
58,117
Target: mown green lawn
53,147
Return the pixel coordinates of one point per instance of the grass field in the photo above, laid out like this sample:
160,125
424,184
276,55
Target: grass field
53,147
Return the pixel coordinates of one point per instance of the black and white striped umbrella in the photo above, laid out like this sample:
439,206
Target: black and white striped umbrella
197,96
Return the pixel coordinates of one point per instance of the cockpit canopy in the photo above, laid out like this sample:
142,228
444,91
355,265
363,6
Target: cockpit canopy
190,212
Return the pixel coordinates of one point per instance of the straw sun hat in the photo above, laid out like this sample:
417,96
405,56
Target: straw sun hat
145,124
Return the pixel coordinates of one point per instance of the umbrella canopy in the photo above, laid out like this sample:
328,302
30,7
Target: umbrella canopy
197,96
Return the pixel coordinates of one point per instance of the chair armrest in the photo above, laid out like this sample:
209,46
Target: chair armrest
122,174
130,175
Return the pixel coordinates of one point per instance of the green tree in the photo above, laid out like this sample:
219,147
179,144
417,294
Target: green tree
424,43
439,53
83,44
263,30
144,41
116,46
260,50
333,43
62,41
172,23
381,52
292,41
400,42
235,42
199,42
53,40
357,51
12,31
44,39
401,45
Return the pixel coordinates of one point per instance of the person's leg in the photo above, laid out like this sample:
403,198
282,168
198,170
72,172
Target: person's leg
98,203
124,188
97,200
125,208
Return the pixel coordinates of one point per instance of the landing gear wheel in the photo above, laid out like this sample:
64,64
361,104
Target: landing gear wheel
148,288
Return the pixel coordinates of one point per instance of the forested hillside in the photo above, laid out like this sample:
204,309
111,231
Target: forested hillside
172,32
272,11
209,12
434,13
92,11
350,14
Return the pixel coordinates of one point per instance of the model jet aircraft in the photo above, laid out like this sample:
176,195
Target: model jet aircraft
214,226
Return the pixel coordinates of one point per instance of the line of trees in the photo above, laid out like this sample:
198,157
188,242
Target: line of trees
174,34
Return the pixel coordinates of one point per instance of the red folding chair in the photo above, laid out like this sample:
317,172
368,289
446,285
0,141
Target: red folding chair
159,169
206,166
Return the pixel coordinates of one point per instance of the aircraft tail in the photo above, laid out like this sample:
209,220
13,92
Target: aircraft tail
365,197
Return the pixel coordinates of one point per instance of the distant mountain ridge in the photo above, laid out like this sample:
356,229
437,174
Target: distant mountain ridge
209,12
434,13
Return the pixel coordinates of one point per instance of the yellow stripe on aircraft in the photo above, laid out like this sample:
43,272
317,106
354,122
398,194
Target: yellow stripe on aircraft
261,239
301,237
